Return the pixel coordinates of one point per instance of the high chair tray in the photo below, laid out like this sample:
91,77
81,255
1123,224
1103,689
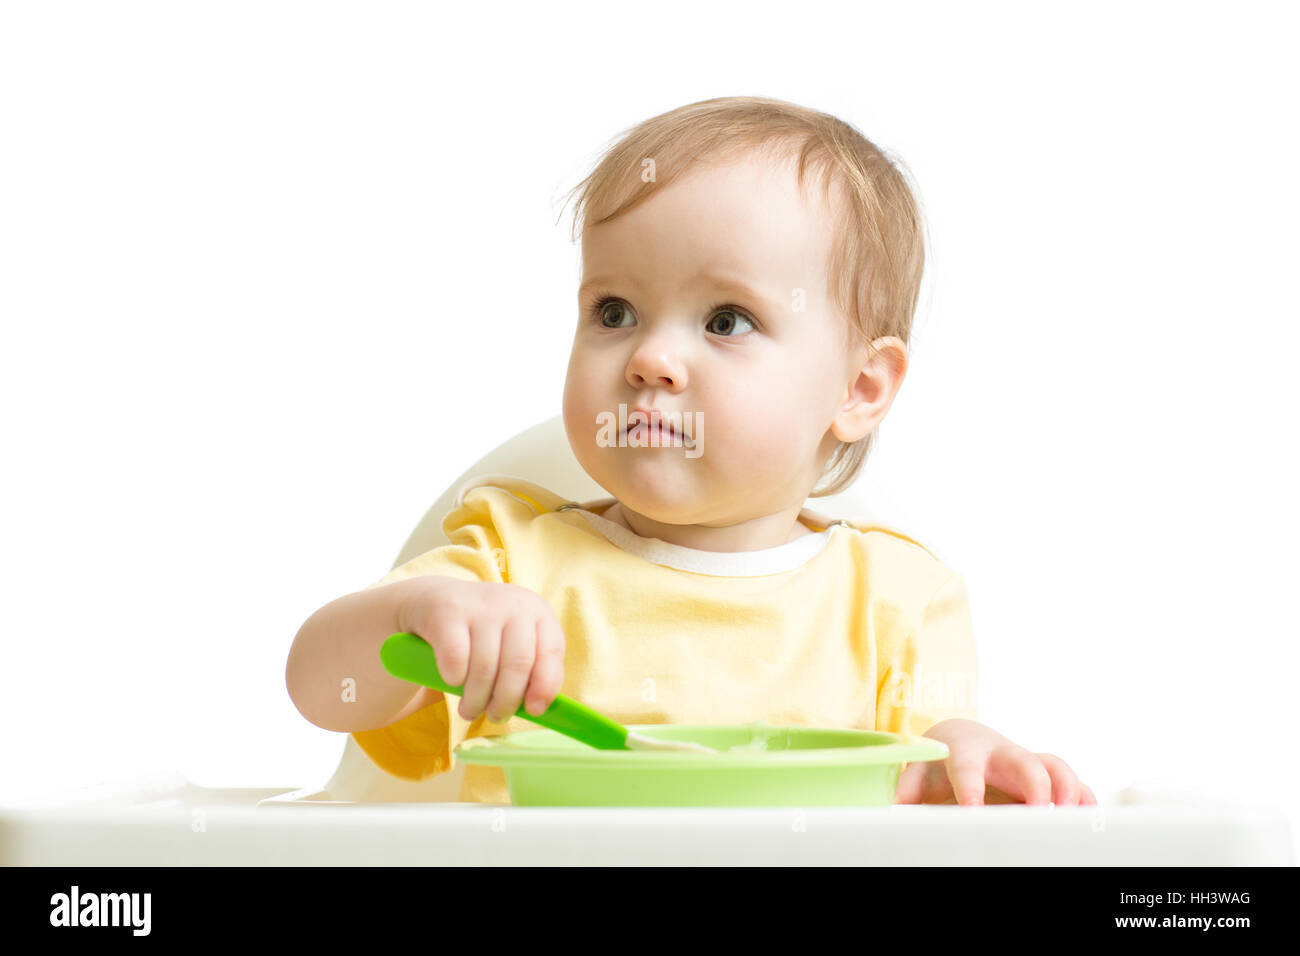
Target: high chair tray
165,820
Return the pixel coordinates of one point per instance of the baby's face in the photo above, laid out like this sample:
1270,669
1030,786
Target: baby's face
716,306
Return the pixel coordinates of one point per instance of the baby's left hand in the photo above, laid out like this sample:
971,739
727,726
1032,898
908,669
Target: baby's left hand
979,756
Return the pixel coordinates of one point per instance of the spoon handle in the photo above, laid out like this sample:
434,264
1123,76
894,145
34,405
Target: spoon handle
411,658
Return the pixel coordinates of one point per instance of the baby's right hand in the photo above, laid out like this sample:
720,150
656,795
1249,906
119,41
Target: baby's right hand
496,639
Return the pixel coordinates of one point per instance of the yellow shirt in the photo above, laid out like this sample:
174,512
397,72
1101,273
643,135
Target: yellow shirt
853,626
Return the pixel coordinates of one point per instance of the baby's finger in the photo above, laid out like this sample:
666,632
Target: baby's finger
449,639
518,648
1065,782
548,671
1089,798
484,650
1019,773
966,774
910,784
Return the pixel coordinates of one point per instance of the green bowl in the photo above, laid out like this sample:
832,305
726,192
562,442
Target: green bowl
777,767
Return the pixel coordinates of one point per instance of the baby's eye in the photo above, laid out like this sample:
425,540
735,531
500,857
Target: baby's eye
730,317
607,308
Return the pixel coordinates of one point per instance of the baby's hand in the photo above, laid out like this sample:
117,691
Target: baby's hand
496,639
980,756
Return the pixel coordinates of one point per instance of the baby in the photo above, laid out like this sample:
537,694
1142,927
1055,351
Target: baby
750,269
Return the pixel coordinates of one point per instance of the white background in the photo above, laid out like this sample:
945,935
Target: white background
272,275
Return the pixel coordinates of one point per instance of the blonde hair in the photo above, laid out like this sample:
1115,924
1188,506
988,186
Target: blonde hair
878,253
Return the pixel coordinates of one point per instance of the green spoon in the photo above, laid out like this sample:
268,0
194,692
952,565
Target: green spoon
410,657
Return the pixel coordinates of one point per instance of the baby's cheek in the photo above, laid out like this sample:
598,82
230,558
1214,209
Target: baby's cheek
581,414
766,442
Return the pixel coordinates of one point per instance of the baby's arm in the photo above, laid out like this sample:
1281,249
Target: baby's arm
500,641
341,641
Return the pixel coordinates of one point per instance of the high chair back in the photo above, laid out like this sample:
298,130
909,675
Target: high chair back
540,454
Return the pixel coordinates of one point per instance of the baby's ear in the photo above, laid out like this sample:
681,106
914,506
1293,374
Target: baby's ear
891,351
871,392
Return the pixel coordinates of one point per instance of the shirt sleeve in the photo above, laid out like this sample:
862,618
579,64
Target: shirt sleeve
419,745
474,551
932,674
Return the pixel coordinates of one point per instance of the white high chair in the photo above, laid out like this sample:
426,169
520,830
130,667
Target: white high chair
540,454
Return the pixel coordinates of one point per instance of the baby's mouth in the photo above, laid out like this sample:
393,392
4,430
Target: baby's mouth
665,430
